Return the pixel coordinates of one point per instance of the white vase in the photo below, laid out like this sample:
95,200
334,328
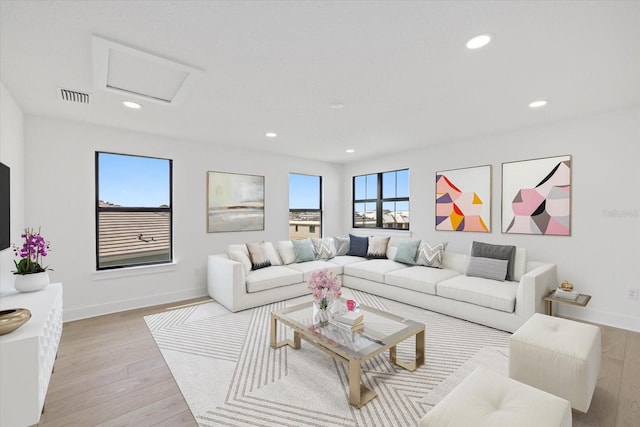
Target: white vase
31,282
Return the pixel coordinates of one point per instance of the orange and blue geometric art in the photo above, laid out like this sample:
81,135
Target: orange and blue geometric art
463,199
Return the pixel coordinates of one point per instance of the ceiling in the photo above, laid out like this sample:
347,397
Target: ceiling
400,68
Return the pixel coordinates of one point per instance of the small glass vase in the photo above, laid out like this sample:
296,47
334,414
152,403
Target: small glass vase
322,309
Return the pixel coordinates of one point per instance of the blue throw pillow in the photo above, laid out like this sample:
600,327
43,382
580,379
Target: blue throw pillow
304,250
358,245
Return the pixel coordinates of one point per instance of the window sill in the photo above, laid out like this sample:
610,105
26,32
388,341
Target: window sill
141,270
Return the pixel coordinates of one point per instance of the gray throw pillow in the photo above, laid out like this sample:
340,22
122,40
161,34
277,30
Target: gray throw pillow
323,248
258,256
431,254
406,252
304,250
488,268
487,250
358,245
342,245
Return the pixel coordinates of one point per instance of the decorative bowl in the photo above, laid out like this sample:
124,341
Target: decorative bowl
12,319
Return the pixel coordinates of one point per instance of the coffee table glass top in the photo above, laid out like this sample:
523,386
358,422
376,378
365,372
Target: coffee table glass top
380,329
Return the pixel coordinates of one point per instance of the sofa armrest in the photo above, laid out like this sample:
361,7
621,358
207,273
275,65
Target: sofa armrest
225,281
541,279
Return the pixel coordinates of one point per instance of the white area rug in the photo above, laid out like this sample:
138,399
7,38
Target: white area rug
230,376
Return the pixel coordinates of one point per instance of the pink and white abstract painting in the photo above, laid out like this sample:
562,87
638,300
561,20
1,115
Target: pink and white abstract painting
536,196
463,199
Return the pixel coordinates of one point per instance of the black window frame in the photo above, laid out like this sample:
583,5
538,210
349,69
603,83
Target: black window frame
378,200
318,210
99,209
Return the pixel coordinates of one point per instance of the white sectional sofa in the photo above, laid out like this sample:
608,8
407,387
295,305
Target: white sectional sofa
504,305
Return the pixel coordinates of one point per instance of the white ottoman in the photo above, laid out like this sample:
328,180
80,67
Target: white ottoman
486,399
557,355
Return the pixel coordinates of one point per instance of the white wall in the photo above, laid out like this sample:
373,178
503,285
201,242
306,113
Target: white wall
12,155
601,257
61,182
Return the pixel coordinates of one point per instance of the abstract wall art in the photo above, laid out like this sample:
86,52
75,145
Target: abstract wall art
235,202
463,199
536,196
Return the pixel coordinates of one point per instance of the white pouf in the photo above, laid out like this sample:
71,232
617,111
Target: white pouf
487,399
557,355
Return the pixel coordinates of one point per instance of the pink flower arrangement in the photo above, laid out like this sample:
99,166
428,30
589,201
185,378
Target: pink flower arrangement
325,286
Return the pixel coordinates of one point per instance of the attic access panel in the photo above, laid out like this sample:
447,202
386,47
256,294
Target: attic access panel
133,72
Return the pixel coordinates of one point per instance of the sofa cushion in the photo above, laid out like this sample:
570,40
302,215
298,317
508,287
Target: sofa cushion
488,268
430,254
342,245
272,277
358,245
346,259
272,254
258,256
406,251
323,248
287,254
487,250
307,268
418,278
304,250
373,269
377,248
475,290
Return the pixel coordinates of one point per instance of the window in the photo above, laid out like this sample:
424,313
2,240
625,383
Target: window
305,206
381,200
133,210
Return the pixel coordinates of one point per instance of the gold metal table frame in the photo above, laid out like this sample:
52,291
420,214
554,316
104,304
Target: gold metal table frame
359,394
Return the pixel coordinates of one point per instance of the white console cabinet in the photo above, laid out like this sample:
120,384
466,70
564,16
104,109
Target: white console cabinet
27,355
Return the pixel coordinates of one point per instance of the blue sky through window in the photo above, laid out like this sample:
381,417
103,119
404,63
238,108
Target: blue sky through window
133,181
304,191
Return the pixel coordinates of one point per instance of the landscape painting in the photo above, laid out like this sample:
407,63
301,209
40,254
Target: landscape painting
235,202
463,199
536,196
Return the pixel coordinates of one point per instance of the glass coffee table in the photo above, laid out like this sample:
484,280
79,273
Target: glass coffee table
382,331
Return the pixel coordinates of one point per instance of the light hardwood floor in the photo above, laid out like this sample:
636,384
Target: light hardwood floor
109,372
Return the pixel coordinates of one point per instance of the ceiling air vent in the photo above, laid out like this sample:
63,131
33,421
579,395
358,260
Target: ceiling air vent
74,96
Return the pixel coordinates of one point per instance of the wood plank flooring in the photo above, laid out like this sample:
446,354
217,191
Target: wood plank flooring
109,372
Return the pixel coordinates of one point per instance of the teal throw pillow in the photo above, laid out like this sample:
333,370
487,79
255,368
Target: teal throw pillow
304,250
406,252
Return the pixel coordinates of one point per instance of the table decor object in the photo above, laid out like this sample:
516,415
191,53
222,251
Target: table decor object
12,319
30,275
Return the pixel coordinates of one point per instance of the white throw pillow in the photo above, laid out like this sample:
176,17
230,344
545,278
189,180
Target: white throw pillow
241,257
272,254
287,254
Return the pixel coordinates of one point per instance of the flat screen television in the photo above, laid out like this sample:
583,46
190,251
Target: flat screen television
5,207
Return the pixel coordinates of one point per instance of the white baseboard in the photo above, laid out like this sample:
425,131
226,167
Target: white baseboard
131,304
600,317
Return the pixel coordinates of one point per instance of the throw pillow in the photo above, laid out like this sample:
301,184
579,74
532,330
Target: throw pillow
303,250
377,248
430,255
258,256
323,248
487,250
272,254
488,268
358,245
287,254
242,258
342,245
406,252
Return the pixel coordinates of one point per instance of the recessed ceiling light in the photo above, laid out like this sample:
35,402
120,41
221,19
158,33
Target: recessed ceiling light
132,105
337,105
479,41
539,103
349,150
271,134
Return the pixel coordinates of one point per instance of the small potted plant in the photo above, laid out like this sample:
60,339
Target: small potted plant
30,274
